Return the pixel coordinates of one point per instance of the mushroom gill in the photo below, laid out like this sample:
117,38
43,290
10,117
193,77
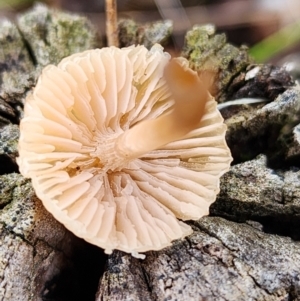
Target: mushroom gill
117,151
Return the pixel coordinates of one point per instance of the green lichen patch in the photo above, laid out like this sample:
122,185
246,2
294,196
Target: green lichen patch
53,35
207,50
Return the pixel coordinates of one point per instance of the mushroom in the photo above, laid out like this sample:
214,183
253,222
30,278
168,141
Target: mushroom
123,146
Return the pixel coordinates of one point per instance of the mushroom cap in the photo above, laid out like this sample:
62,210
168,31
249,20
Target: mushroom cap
67,145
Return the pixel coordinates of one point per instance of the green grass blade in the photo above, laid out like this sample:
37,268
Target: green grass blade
276,43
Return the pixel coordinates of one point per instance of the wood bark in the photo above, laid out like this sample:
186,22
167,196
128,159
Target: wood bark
39,258
221,260
243,251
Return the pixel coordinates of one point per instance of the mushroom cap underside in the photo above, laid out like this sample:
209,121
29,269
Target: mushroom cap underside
67,146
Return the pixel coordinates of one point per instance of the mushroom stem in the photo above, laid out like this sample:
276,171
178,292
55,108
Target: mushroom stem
111,23
190,96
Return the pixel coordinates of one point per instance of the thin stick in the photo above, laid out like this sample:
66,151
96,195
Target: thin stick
111,23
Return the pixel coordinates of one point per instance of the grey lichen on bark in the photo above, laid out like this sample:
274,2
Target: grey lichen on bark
9,136
16,75
131,33
253,191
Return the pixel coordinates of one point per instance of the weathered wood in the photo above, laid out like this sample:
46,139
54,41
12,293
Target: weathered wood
225,260
265,129
254,191
221,260
39,258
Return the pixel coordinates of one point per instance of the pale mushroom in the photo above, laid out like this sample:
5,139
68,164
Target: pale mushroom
118,155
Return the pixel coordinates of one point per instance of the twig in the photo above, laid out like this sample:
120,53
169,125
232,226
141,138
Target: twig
111,23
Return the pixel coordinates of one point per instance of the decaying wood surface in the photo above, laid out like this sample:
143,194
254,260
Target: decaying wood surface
244,251
221,260
39,258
